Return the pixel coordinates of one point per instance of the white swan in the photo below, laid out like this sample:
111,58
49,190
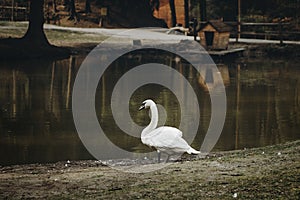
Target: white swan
165,138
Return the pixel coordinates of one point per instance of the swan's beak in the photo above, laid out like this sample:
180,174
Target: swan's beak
142,107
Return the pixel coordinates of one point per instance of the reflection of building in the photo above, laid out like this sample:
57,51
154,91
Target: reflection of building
213,77
215,35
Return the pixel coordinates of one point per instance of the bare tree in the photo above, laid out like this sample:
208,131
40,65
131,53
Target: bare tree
203,10
66,3
35,32
72,10
88,6
54,6
154,4
173,12
186,13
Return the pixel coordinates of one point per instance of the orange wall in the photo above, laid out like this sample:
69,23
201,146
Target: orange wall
164,12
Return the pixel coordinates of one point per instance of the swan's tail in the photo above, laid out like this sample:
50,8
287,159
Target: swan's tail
192,151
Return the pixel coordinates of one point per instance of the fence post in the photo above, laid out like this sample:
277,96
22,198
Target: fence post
239,21
12,10
238,32
280,33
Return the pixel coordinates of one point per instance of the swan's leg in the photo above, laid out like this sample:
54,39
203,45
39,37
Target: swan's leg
158,156
168,158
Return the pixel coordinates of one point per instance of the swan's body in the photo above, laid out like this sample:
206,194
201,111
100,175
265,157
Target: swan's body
165,138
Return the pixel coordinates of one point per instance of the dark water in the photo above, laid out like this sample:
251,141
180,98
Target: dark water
36,122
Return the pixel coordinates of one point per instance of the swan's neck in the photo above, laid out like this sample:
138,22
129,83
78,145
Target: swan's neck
153,122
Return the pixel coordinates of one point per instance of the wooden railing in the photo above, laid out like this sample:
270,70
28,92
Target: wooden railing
13,13
269,31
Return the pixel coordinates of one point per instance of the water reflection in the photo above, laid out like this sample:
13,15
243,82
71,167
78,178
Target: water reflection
36,119
263,105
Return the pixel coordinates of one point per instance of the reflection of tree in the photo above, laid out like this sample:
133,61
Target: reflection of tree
70,70
267,114
41,89
16,90
238,93
37,123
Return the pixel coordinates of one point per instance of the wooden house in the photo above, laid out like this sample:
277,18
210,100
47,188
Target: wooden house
214,35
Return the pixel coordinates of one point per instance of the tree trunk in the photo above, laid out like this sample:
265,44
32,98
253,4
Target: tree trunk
203,10
54,6
88,6
35,33
67,5
186,14
73,14
173,12
154,5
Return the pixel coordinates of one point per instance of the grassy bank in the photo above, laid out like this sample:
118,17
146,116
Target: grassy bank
262,173
69,42
82,42
55,37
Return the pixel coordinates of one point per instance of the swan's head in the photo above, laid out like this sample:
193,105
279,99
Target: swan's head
146,104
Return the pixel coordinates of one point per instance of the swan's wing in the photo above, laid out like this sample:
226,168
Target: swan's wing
167,139
170,130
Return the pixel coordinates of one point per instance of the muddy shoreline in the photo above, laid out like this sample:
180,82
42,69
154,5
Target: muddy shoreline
270,172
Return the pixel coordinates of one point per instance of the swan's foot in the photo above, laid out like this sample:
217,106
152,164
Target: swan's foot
168,158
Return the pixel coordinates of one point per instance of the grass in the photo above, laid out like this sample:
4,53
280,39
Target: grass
14,24
56,37
64,36
12,32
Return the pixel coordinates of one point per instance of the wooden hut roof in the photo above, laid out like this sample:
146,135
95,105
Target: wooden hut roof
220,26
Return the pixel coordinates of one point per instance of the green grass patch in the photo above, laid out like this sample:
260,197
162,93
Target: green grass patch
72,36
12,32
57,37
14,24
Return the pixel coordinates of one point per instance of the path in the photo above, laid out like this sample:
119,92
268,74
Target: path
146,33
156,33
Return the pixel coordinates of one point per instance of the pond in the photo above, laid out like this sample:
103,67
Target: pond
263,106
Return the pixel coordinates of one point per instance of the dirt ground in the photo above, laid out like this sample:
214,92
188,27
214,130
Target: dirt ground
271,172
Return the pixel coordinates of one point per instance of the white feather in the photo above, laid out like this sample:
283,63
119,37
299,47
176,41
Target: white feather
164,138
